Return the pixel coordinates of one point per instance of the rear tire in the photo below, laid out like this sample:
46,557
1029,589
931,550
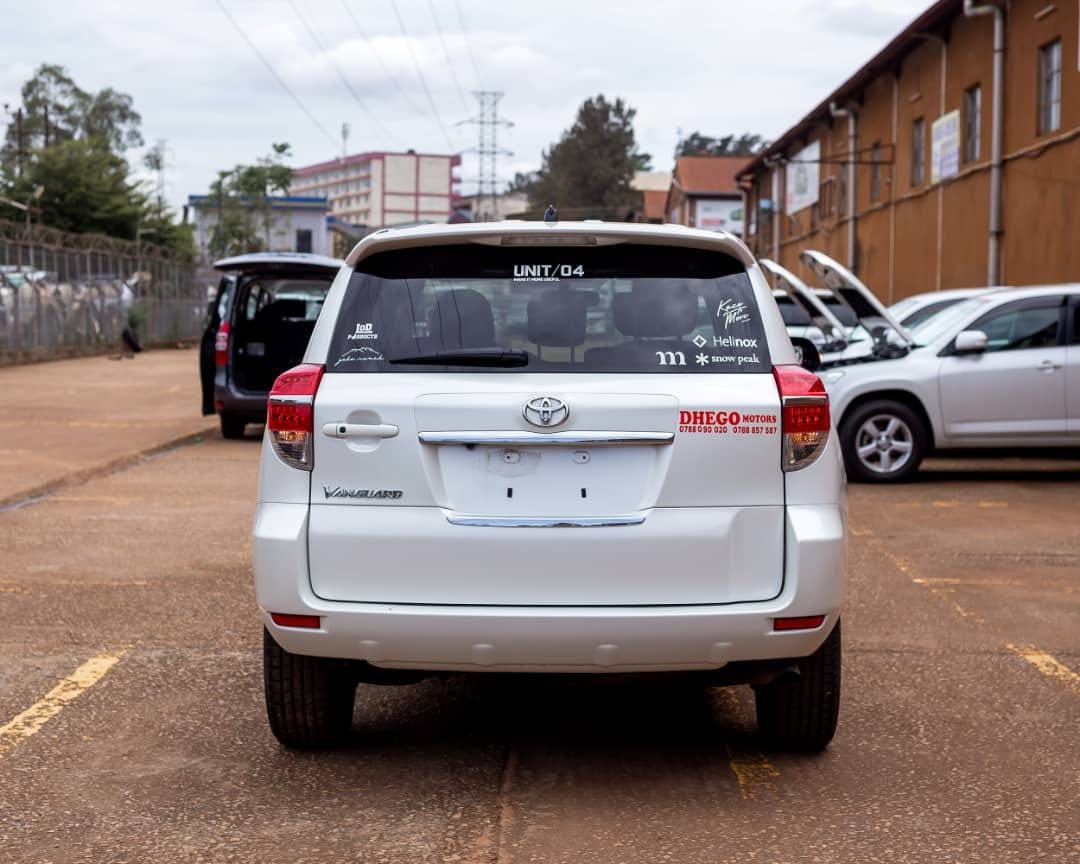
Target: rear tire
800,712
232,427
883,442
309,700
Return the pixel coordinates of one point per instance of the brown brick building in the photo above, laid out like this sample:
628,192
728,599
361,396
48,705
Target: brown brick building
894,173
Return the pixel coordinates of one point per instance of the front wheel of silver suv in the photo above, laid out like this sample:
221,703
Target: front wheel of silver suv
799,711
883,442
309,700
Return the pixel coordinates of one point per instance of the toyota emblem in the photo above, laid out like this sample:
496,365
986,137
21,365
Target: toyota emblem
546,411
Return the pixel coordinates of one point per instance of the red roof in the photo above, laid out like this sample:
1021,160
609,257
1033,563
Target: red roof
708,175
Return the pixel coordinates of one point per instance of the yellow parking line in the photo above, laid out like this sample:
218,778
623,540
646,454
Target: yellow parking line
753,772
1048,665
30,721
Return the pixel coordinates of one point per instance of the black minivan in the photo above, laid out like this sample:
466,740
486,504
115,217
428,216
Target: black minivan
258,325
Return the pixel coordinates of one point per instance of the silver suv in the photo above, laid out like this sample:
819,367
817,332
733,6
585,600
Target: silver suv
526,447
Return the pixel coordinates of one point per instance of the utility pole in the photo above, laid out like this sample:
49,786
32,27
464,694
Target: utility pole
20,152
487,149
160,169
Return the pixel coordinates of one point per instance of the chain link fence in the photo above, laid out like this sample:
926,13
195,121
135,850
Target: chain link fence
67,294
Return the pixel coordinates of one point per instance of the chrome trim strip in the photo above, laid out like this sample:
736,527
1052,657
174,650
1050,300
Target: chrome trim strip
534,522
549,439
796,401
292,400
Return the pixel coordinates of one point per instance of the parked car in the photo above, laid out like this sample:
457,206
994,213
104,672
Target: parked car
805,312
913,310
1001,369
258,325
519,447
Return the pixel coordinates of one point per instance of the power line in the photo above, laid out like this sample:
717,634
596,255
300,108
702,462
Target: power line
468,43
273,72
341,75
382,63
446,54
420,72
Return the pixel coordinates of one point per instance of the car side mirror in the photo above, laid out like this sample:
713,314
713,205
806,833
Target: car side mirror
806,353
971,342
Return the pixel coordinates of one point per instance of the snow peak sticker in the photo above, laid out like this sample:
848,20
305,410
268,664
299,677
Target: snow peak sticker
342,492
359,355
363,332
546,272
732,312
727,422
704,359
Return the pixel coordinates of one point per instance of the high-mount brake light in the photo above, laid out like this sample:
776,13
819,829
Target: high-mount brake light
290,415
221,345
805,416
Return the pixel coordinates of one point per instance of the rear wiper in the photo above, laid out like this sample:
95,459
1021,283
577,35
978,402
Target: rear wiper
469,357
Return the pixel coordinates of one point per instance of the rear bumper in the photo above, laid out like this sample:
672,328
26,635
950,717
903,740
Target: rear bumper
239,403
553,639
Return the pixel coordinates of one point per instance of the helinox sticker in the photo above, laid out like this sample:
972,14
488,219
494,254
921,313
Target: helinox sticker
546,272
732,312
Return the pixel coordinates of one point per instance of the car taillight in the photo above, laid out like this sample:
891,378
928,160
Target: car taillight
290,415
805,416
221,345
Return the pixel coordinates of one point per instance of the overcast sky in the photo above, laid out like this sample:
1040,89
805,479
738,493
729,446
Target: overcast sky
716,66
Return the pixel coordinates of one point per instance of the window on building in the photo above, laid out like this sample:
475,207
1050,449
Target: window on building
875,171
841,192
918,152
972,122
1050,87
303,240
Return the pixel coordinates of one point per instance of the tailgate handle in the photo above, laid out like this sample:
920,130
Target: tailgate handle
359,430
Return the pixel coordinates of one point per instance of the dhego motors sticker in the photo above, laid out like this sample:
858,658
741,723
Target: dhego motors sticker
727,422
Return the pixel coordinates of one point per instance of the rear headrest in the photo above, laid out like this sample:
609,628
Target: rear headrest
462,318
557,318
656,310
281,309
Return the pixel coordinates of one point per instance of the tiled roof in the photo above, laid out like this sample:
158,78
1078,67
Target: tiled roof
703,175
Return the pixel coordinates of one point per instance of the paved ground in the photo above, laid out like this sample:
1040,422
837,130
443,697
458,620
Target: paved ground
128,601
73,418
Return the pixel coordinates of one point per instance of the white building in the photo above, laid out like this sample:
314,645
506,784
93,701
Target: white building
376,189
296,224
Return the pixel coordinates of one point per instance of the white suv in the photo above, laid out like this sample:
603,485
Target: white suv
569,447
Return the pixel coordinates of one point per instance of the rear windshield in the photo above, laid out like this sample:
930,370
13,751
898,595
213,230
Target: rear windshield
622,308
842,312
793,314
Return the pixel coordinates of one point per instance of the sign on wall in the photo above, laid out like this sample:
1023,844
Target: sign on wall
719,215
945,147
803,178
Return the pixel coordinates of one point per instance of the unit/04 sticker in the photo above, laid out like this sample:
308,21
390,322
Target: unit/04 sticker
727,422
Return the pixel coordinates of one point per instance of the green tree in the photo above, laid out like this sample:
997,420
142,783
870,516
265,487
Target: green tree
695,144
587,173
55,109
86,188
241,197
